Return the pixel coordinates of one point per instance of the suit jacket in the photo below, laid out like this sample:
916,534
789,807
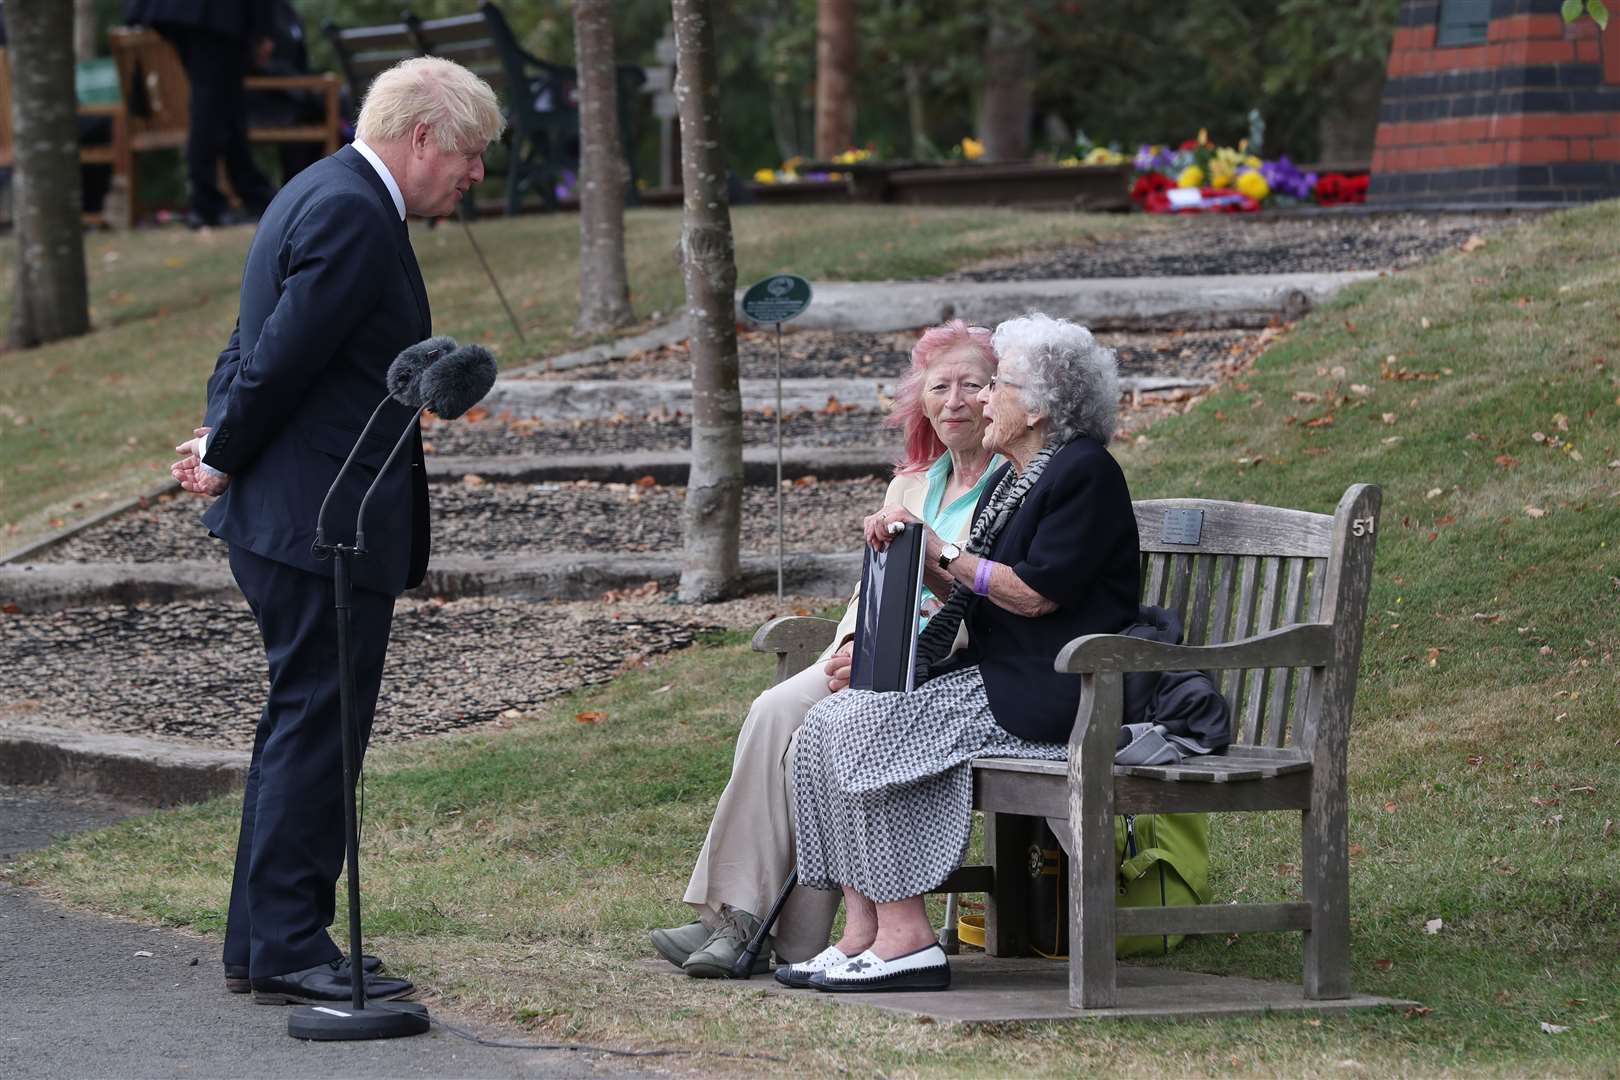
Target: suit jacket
1073,541
330,295
246,19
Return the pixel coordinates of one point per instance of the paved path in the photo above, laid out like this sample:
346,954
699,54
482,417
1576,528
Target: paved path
76,1000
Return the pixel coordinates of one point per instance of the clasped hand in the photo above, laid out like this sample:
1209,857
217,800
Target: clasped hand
876,530
189,469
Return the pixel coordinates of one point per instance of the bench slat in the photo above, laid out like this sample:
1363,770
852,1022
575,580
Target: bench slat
1251,725
1239,529
1232,682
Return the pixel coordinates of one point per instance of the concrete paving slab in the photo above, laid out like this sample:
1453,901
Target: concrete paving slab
986,990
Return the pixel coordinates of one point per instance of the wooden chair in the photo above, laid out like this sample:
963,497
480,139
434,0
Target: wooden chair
157,98
1273,601
108,153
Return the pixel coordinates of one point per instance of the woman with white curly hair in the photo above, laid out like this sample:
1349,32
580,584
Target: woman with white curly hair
883,784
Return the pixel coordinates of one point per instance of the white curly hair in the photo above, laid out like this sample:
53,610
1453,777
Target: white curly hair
1062,374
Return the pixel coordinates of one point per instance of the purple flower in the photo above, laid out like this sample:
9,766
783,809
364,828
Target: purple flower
1284,178
1151,158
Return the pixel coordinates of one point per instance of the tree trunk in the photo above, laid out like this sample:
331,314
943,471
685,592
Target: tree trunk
1350,118
1009,93
51,300
604,286
835,77
709,565
85,37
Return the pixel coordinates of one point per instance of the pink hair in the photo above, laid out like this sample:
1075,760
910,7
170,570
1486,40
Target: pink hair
922,445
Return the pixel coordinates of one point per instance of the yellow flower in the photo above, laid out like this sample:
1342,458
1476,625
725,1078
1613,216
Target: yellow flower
1220,174
1192,176
852,155
972,148
1101,155
1203,136
764,176
1252,162
1253,185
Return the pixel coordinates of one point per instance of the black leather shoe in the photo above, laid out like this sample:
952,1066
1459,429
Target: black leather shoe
324,982
237,982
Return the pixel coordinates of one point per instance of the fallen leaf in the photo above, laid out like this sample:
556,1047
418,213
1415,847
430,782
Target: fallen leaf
1536,801
475,414
1389,808
1305,397
1389,417
1434,657
1480,616
473,480
1560,421
1383,965
1545,650
1535,512
646,482
1357,851
1473,243
1553,1029
1325,420
666,688
1418,1012
1434,493
590,716
10,608
1433,926
142,952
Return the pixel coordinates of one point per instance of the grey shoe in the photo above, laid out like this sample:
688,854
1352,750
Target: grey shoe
679,942
720,952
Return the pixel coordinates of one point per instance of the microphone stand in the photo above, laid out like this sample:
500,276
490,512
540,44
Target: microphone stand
381,1019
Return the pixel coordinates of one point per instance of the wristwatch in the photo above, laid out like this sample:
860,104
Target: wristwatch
947,555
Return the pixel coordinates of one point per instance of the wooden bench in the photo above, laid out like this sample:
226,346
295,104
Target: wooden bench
157,104
108,153
541,141
1273,601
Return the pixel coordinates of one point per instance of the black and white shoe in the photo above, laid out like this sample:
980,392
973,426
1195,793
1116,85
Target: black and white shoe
798,975
924,969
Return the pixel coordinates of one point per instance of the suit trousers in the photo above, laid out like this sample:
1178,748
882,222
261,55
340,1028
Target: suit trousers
215,66
291,845
750,849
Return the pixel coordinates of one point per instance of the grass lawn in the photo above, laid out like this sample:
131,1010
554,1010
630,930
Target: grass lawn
85,421
515,873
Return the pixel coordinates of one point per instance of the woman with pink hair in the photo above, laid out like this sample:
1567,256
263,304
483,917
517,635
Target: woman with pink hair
749,850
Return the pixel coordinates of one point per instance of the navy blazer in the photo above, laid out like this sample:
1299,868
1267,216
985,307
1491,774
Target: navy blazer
330,295
1073,541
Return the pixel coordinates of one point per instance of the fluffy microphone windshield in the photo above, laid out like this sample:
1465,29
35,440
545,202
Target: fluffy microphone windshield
405,373
458,382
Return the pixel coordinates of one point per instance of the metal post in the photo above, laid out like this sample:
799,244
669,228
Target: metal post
779,511
349,730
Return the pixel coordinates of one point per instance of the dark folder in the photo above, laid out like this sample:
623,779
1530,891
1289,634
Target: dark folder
886,621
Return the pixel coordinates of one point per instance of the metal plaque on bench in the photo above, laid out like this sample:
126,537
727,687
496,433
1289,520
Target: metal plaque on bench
1183,526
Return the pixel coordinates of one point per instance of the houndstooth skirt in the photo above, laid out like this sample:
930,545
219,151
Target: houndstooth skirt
883,785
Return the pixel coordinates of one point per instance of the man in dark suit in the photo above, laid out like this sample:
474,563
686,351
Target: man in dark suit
330,295
215,40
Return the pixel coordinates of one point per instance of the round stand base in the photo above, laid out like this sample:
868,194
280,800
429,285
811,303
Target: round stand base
342,1022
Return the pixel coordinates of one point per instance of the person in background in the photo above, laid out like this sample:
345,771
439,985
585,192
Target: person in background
214,39
748,852
288,55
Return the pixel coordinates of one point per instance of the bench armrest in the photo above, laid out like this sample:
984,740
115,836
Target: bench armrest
796,640
1298,645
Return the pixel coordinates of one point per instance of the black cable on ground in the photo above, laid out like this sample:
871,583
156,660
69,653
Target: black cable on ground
583,1048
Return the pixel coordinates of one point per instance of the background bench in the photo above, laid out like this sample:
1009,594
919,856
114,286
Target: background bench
540,99
1273,602
157,111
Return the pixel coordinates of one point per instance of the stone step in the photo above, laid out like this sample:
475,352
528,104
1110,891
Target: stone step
596,399
666,466
37,587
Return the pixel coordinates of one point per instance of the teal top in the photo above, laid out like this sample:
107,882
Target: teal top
953,520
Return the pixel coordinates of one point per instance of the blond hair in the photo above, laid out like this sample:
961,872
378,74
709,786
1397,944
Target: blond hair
458,105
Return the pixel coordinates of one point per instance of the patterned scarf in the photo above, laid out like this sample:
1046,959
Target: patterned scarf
934,644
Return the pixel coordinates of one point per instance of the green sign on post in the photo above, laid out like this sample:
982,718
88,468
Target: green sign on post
776,299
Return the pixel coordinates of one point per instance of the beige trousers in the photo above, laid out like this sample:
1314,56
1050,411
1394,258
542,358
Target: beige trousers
749,850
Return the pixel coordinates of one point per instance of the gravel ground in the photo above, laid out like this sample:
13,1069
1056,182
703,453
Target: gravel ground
1251,244
500,435
195,671
818,354
480,518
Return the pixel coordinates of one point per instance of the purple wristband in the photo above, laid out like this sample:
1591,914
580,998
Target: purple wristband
981,577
